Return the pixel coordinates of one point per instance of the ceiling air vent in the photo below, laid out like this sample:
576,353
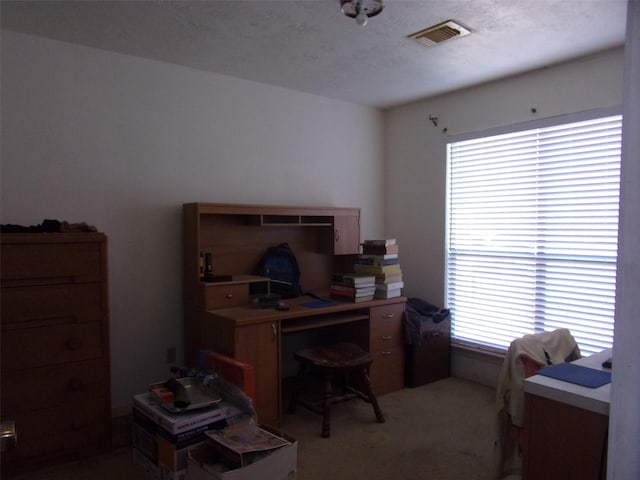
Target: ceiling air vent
439,33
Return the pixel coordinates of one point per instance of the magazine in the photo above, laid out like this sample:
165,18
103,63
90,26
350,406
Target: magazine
242,443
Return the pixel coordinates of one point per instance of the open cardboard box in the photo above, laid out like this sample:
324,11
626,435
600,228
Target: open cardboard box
204,463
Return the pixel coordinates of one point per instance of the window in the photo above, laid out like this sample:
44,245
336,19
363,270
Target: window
532,221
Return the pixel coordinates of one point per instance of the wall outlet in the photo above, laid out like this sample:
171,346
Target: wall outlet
170,355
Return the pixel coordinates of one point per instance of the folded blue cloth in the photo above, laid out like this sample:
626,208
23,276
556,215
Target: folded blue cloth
577,374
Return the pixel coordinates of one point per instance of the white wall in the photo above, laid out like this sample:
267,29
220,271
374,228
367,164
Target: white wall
416,162
121,143
416,174
416,149
624,422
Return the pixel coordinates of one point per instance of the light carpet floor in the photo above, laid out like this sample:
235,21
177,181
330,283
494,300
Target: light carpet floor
440,431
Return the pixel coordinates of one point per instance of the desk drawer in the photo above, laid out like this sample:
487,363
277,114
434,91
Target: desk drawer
37,347
387,347
387,315
223,296
387,371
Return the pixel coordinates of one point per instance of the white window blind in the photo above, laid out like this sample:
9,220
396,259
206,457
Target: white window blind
532,234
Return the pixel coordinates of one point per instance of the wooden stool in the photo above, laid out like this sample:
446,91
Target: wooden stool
330,361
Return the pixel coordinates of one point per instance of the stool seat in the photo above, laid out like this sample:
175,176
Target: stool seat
329,361
339,355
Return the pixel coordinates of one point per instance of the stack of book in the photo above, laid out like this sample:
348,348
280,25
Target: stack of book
380,259
353,287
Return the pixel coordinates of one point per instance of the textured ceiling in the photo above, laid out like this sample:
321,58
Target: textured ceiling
309,46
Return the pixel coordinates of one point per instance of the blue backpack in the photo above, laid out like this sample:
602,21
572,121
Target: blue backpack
280,265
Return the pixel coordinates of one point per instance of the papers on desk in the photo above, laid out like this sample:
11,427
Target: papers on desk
577,374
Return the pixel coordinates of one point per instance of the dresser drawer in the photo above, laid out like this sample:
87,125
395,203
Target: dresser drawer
45,387
36,347
47,263
223,296
60,433
72,303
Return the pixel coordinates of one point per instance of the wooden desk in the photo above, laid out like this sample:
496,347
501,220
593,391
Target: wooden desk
216,315
256,336
566,427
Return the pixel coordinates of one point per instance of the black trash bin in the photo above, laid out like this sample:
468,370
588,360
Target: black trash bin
427,333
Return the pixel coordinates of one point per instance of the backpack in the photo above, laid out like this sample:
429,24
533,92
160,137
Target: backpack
279,264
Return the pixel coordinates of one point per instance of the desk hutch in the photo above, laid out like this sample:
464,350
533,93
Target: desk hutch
220,316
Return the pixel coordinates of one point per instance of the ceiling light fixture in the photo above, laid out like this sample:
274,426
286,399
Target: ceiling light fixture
361,10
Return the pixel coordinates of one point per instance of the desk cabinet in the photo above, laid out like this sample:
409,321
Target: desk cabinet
564,441
259,345
55,346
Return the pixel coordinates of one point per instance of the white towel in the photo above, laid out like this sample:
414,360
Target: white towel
560,346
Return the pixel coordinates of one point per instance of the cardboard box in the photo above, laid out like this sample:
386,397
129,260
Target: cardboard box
167,474
150,468
144,439
174,456
180,424
204,464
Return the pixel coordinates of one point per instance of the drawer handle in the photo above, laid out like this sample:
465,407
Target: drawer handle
336,235
75,384
385,354
387,315
229,295
74,343
8,435
387,337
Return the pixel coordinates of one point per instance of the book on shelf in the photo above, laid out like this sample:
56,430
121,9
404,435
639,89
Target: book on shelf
366,298
380,249
396,292
382,241
342,291
378,260
377,270
389,286
385,279
353,279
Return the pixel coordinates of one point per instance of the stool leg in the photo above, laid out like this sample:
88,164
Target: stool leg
372,397
326,406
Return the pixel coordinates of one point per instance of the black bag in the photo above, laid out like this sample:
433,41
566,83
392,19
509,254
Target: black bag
279,264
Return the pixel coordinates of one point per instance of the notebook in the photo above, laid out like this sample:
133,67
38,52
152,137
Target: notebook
577,374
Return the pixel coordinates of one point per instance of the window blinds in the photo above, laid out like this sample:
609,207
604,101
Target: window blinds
532,233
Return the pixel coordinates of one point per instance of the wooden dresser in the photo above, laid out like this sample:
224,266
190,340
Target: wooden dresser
55,347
